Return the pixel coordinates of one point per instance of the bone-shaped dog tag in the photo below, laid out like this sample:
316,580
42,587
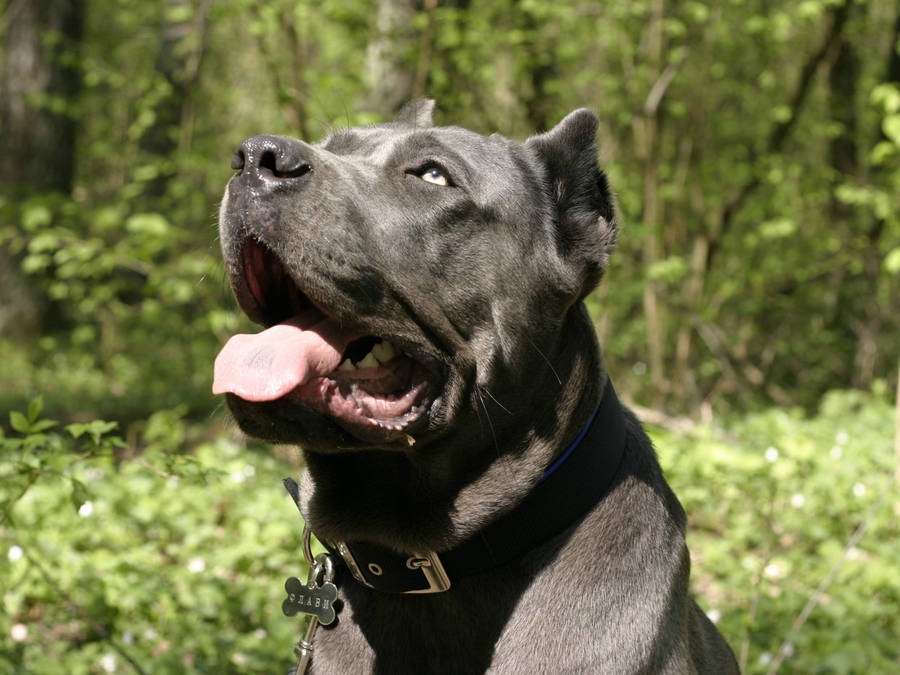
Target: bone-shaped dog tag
314,599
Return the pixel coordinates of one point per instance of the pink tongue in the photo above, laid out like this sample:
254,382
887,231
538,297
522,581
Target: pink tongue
268,365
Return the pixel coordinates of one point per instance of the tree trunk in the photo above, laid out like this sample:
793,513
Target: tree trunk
539,101
178,68
842,78
648,142
392,74
869,327
38,82
286,43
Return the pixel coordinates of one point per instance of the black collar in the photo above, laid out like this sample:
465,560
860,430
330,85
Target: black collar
576,481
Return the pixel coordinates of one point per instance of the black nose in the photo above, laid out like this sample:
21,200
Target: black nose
272,158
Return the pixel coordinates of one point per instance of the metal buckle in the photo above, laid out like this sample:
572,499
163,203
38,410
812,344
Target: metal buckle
435,574
429,564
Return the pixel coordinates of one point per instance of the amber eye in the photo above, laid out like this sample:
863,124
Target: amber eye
434,175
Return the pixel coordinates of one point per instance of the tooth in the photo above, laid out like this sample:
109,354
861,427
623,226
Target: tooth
384,351
346,364
368,362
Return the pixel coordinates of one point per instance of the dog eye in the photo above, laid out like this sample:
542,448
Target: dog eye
434,175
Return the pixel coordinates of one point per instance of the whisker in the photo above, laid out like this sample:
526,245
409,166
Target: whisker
490,423
494,399
538,350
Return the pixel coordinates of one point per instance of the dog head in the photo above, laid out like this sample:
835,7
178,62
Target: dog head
410,278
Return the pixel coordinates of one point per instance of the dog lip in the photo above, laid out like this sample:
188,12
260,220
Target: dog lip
259,274
249,290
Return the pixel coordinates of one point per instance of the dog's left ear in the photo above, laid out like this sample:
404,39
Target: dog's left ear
417,113
586,216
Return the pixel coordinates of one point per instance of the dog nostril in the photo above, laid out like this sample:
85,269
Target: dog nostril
237,160
272,159
280,167
267,163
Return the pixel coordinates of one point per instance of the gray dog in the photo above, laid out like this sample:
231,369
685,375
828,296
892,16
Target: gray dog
493,507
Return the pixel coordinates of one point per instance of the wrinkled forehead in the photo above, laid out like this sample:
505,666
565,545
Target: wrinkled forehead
384,144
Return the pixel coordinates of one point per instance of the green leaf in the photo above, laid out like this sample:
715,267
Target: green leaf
36,216
178,13
891,126
35,408
79,494
19,422
151,224
42,425
892,262
95,429
777,229
45,241
887,96
670,270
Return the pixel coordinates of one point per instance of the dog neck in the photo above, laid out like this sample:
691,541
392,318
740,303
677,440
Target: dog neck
571,486
434,500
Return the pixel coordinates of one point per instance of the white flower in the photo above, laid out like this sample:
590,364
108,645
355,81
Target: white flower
639,368
798,500
836,452
249,471
765,658
714,615
15,553
196,565
260,633
127,637
150,634
842,438
237,476
772,571
239,659
771,454
853,553
859,490
86,509
789,650
108,663
19,632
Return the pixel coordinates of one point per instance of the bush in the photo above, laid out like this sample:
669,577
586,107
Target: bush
785,510
173,557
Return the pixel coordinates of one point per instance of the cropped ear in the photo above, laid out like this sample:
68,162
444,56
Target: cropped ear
586,220
417,113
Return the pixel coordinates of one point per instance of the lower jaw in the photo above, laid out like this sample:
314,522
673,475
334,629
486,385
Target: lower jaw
364,415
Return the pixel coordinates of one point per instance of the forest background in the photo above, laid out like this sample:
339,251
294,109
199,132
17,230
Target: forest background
750,313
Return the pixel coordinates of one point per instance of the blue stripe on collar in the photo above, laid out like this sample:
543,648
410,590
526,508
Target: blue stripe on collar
568,451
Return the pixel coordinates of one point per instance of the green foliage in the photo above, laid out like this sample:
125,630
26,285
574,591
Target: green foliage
176,555
775,503
175,561
799,282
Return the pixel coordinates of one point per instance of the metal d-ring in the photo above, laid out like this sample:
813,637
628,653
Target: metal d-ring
324,565
307,545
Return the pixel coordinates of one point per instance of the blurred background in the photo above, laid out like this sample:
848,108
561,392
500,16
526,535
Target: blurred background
751,312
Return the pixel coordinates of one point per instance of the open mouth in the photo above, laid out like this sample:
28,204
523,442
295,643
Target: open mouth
364,383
